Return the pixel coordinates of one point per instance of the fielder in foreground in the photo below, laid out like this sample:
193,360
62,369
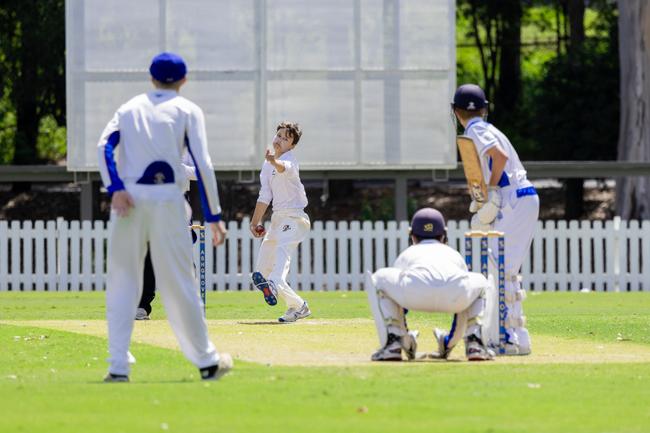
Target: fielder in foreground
147,181
427,276
512,205
280,183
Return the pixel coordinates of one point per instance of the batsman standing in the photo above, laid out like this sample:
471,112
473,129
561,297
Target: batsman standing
512,205
140,160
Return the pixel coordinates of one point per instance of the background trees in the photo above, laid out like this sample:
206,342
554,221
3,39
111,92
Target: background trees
549,67
32,80
633,193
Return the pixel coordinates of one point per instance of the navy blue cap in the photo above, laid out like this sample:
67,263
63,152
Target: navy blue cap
168,67
428,223
470,97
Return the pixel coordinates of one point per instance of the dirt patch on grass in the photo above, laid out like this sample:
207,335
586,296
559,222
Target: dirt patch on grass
339,342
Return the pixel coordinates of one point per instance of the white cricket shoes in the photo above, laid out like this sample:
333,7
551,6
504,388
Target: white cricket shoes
215,372
141,314
410,344
392,351
292,314
443,352
523,341
523,351
517,343
512,349
475,350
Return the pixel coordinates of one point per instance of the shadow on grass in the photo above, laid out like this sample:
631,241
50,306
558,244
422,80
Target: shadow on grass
262,322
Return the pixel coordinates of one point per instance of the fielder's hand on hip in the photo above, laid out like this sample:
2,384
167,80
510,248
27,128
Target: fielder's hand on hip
489,211
219,233
122,202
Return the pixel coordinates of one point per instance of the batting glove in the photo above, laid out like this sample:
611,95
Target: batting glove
474,206
476,224
489,211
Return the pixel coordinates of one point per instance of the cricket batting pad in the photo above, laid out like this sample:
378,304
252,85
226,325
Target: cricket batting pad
490,331
472,168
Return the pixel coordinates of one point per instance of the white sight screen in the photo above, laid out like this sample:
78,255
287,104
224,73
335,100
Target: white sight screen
370,81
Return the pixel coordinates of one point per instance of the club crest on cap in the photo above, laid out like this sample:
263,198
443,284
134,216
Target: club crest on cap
428,228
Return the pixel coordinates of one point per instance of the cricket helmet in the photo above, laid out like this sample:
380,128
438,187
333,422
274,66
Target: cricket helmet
469,97
428,223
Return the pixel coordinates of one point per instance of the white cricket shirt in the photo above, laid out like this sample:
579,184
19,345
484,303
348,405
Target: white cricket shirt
485,136
284,189
432,261
158,126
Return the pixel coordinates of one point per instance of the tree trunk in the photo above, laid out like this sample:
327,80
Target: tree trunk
573,199
509,89
633,193
574,188
576,9
25,98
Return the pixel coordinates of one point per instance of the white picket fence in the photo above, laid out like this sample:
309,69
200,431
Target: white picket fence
60,255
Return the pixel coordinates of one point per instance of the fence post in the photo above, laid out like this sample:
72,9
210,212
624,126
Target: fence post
617,253
62,254
4,256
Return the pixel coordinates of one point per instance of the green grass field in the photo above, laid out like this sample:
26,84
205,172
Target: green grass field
589,372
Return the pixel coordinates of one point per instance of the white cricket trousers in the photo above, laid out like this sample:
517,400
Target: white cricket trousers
159,218
288,228
404,289
518,223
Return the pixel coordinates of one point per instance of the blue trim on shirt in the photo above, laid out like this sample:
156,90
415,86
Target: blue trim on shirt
209,217
109,157
522,192
504,181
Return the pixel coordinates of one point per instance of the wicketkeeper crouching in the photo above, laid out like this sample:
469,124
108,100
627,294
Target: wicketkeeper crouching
427,276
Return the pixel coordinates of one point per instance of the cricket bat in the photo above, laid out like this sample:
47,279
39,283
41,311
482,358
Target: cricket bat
472,168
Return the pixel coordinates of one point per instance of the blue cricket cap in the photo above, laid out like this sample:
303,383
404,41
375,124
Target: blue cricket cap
470,97
168,67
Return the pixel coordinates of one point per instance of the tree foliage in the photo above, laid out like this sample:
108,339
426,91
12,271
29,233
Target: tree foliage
576,103
551,105
32,67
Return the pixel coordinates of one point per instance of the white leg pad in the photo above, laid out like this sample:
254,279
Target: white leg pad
516,322
516,296
490,331
375,309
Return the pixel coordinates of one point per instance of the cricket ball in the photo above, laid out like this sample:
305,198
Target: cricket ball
259,229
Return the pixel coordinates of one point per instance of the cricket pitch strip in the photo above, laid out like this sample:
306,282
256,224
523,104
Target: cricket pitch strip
341,342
